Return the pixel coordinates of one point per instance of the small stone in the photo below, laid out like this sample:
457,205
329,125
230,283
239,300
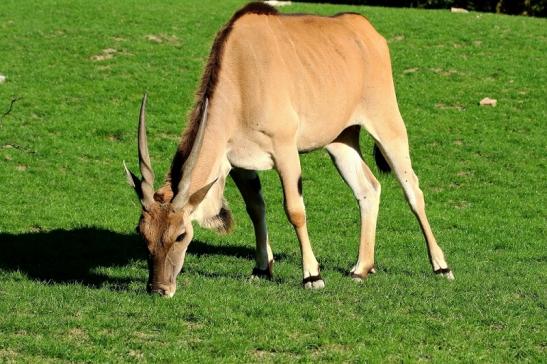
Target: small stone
277,3
2,78
488,102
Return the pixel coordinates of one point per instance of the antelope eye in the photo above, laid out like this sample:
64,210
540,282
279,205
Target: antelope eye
181,237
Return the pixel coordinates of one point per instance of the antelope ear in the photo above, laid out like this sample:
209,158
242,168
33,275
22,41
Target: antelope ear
199,195
133,181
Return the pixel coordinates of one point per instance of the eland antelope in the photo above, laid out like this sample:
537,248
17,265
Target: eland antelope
276,85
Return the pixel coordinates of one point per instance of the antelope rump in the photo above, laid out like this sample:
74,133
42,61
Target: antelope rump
276,85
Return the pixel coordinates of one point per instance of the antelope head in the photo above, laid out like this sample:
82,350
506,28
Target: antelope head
165,226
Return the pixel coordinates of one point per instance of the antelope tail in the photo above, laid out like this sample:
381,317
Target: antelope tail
380,160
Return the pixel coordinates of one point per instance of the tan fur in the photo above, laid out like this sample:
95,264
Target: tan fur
277,85
297,218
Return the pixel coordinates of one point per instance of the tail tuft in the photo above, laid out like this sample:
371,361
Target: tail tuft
222,223
380,160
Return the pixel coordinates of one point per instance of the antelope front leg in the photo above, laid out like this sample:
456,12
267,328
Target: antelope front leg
248,184
287,163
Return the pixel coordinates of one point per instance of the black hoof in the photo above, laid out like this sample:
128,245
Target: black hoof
446,273
443,271
261,273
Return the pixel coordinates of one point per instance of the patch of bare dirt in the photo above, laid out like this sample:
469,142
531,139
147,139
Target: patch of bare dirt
411,70
107,53
445,73
162,38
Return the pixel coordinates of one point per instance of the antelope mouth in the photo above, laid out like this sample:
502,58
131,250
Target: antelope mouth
162,290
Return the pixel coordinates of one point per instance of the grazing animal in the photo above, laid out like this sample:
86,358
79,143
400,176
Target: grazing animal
276,85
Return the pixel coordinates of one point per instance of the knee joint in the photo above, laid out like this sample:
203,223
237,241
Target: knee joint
296,217
416,201
371,194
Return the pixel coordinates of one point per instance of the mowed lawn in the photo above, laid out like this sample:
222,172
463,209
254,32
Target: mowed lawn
73,271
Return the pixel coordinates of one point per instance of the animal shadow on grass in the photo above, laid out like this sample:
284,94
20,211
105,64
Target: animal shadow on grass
72,256
200,248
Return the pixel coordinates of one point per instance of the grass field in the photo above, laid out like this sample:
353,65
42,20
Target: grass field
72,270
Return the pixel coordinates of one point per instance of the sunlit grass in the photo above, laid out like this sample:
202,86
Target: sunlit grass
72,271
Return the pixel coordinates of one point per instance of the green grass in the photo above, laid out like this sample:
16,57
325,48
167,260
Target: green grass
72,273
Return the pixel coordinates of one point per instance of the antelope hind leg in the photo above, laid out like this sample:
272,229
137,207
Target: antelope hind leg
345,154
395,149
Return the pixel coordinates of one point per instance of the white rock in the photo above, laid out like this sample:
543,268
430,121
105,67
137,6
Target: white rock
277,3
488,102
458,10
2,78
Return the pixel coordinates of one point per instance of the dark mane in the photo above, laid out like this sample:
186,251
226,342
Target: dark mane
207,88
